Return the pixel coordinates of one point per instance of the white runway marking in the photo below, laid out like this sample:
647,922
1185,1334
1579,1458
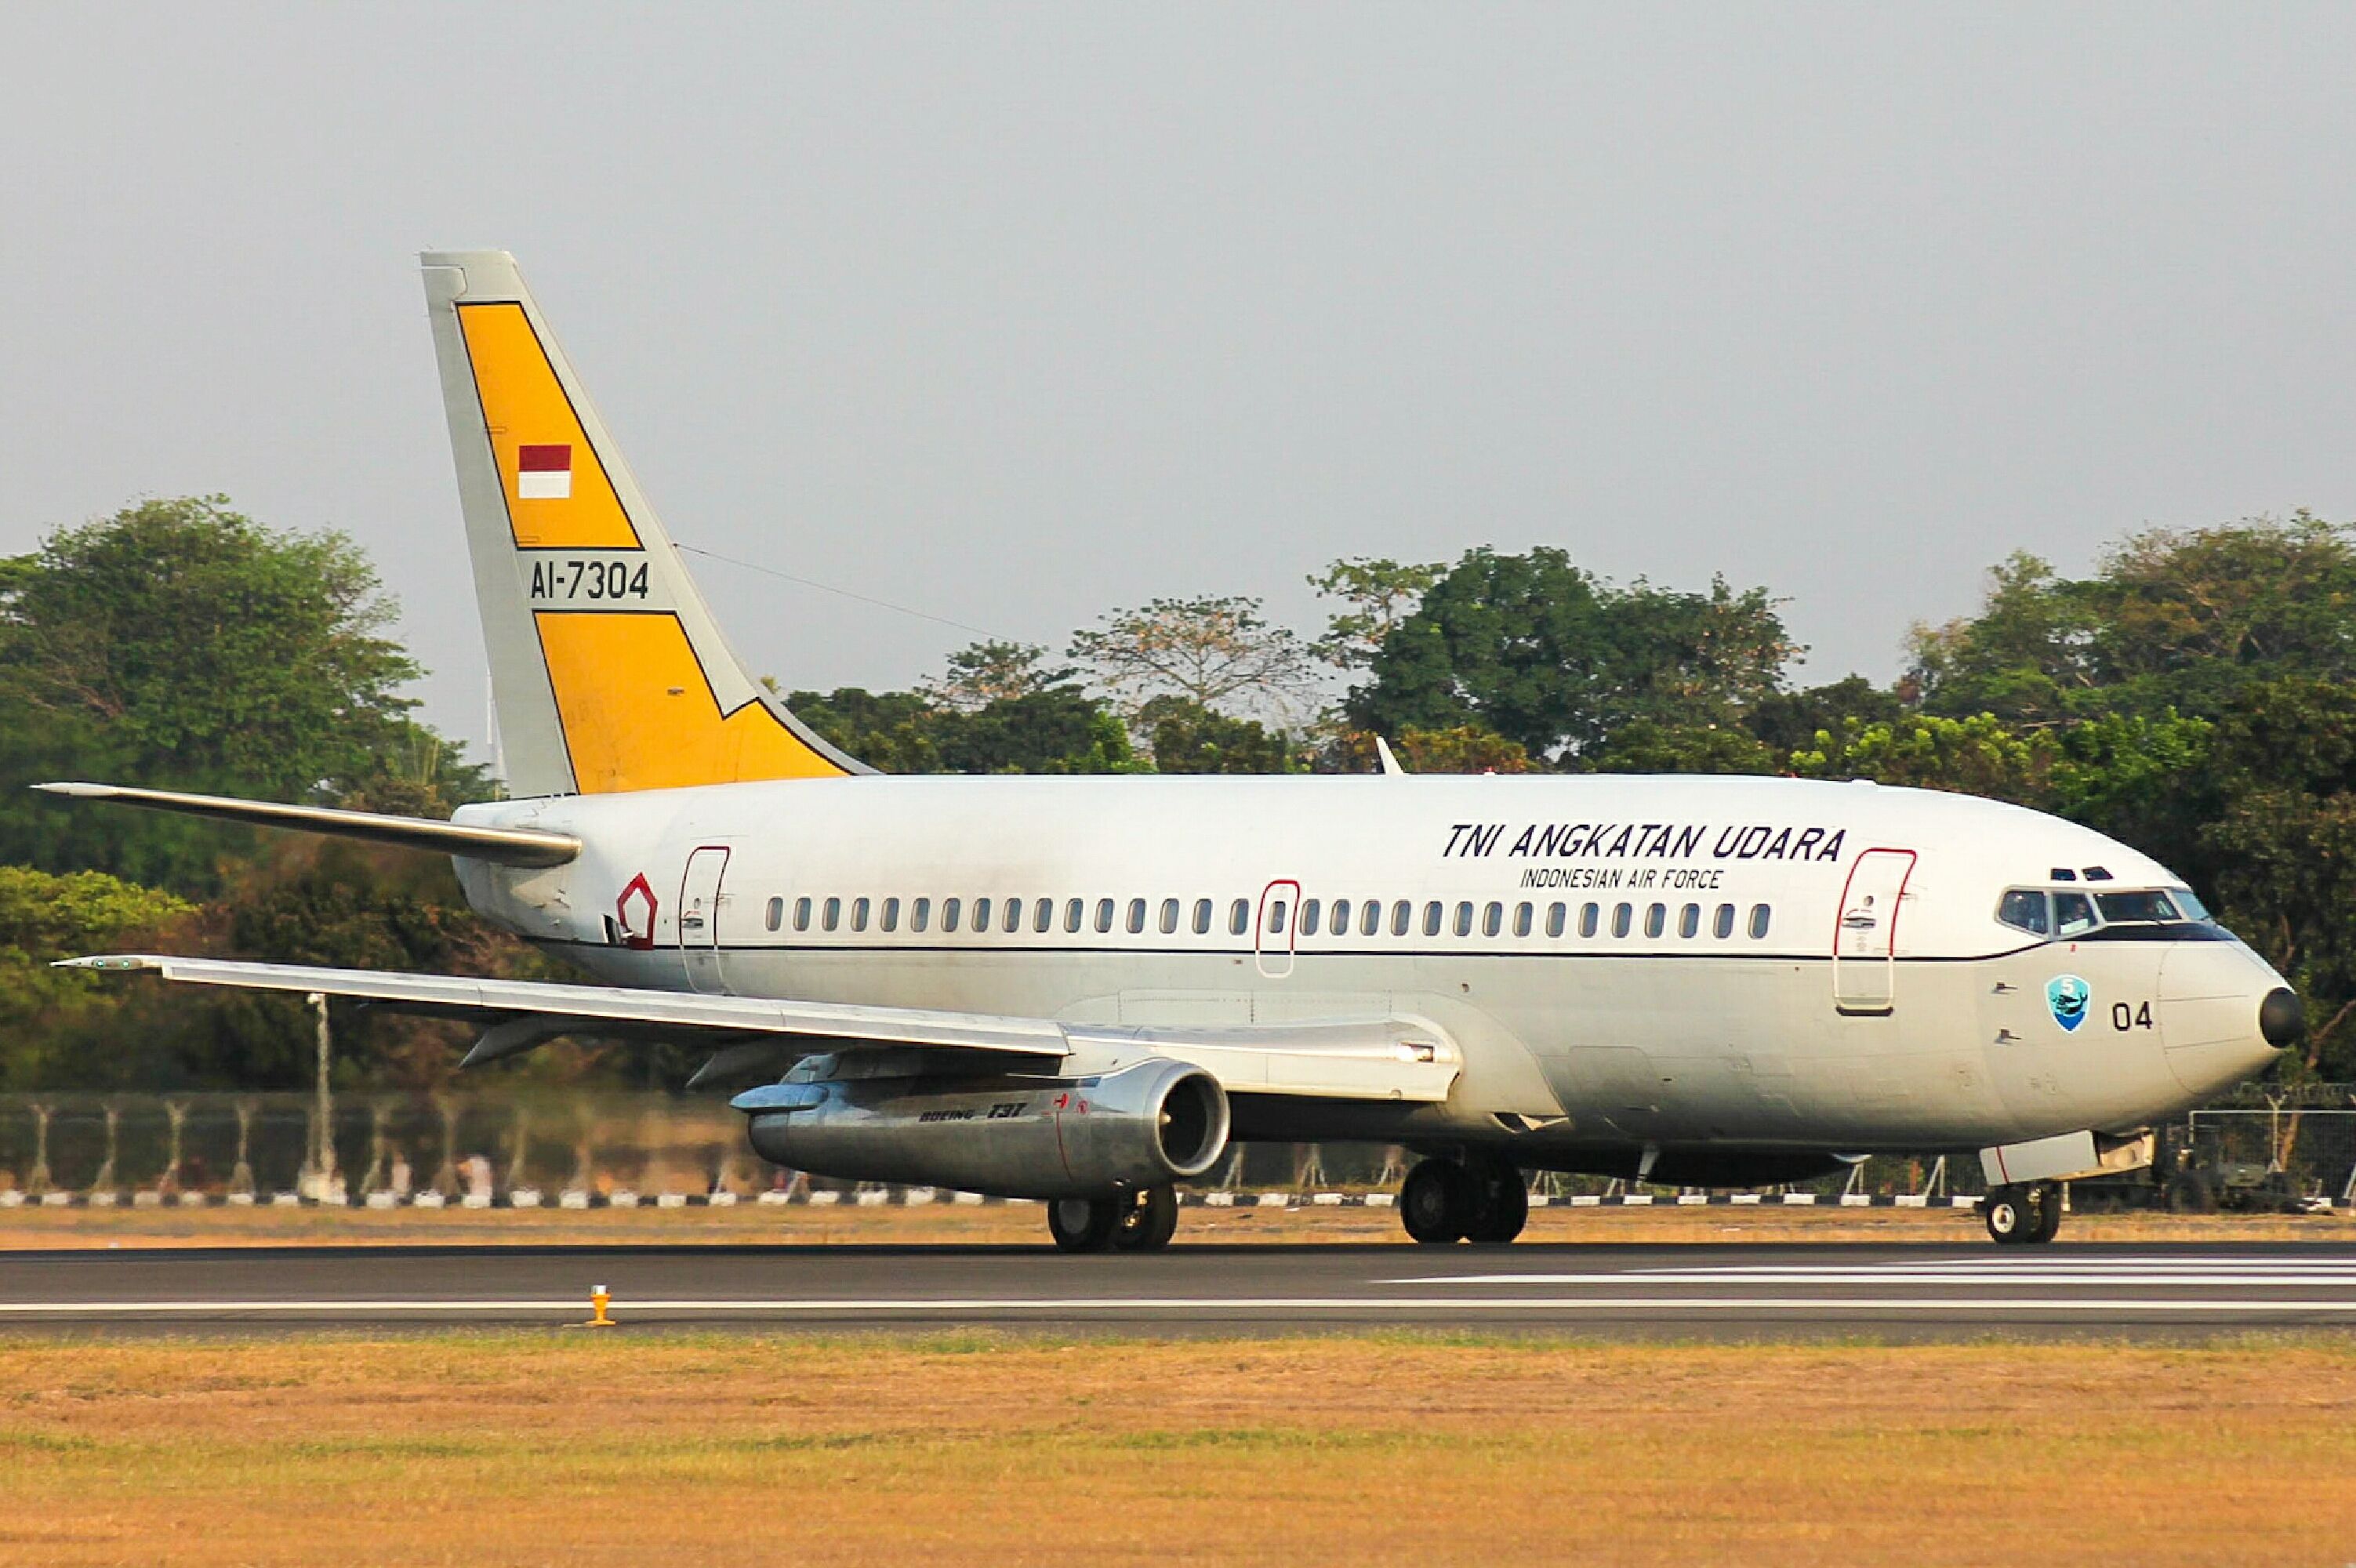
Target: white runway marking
1211,1305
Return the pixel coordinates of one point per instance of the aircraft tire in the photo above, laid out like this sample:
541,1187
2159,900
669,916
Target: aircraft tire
1500,1202
2004,1212
1433,1201
2047,1207
1148,1217
1083,1224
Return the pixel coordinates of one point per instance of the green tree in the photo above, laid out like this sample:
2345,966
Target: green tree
1645,746
179,643
1978,756
987,672
1552,658
1377,594
1786,722
2172,618
1188,738
44,916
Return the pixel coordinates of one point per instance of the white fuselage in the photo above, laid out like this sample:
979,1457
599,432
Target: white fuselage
1801,966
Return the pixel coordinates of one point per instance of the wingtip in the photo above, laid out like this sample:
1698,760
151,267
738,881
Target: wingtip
67,787
120,961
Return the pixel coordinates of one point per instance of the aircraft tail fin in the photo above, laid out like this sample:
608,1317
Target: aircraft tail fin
609,672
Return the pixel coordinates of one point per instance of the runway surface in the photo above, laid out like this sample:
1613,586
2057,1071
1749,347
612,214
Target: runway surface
1706,1289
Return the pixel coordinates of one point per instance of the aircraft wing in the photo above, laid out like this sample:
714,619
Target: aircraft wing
1375,1058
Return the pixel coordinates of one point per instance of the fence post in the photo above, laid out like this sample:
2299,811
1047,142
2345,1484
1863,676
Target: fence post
37,1180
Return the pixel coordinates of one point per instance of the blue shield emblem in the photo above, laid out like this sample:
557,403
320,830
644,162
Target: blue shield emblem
2067,997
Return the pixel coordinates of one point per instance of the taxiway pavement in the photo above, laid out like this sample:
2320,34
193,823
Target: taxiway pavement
1734,1288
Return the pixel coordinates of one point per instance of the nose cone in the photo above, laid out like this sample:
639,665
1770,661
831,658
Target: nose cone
2224,1014
2282,1017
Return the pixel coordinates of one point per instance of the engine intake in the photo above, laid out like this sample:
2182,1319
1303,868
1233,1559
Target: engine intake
1144,1125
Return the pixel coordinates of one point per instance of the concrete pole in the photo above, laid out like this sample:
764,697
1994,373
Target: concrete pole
324,1157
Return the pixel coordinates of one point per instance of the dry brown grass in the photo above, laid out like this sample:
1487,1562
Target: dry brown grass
574,1448
1025,1224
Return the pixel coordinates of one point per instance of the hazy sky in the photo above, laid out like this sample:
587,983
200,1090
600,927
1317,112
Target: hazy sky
1016,314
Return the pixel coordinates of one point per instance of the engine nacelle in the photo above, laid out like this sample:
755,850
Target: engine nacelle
1011,1137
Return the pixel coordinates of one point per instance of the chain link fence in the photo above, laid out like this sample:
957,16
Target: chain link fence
2257,1149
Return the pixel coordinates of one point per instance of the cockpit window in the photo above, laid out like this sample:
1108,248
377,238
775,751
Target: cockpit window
2065,912
2024,908
2145,907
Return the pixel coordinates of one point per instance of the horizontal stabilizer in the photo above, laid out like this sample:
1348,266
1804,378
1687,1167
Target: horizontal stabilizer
501,846
1387,1059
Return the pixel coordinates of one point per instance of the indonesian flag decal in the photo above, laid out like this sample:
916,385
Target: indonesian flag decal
544,473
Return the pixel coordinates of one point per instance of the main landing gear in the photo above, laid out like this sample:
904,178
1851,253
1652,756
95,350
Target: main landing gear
1142,1221
1480,1199
2022,1214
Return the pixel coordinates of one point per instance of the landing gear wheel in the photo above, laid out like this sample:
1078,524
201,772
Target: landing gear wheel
1434,1204
1083,1224
2047,1204
2007,1213
1500,1201
1148,1217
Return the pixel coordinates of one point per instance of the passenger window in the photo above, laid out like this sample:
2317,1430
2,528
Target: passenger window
1013,915
1309,913
981,915
920,914
1370,919
801,914
1202,916
1621,916
1759,917
890,914
858,908
1401,913
2024,908
776,913
1043,915
1521,919
1432,917
1341,926
1104,916
1492,918
833,913
1690,921
1169,916
2072,913
1276,913
1073,910
1586,918
1721,925
1136,915
1555,917
1240,916
951,908
1656,920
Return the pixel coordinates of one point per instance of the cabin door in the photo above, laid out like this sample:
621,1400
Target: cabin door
698,918
1864,939
1273,930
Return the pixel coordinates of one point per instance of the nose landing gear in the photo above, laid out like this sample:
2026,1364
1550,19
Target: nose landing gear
2023,1214
1481,1198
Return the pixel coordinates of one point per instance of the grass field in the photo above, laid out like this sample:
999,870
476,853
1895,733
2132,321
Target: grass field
572,1448
1026,1224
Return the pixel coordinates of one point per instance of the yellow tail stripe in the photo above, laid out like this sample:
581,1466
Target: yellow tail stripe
638,714
524,405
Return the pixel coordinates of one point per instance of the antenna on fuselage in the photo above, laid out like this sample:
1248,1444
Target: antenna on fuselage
1390,764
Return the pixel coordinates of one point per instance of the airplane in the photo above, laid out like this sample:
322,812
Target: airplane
1085,991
